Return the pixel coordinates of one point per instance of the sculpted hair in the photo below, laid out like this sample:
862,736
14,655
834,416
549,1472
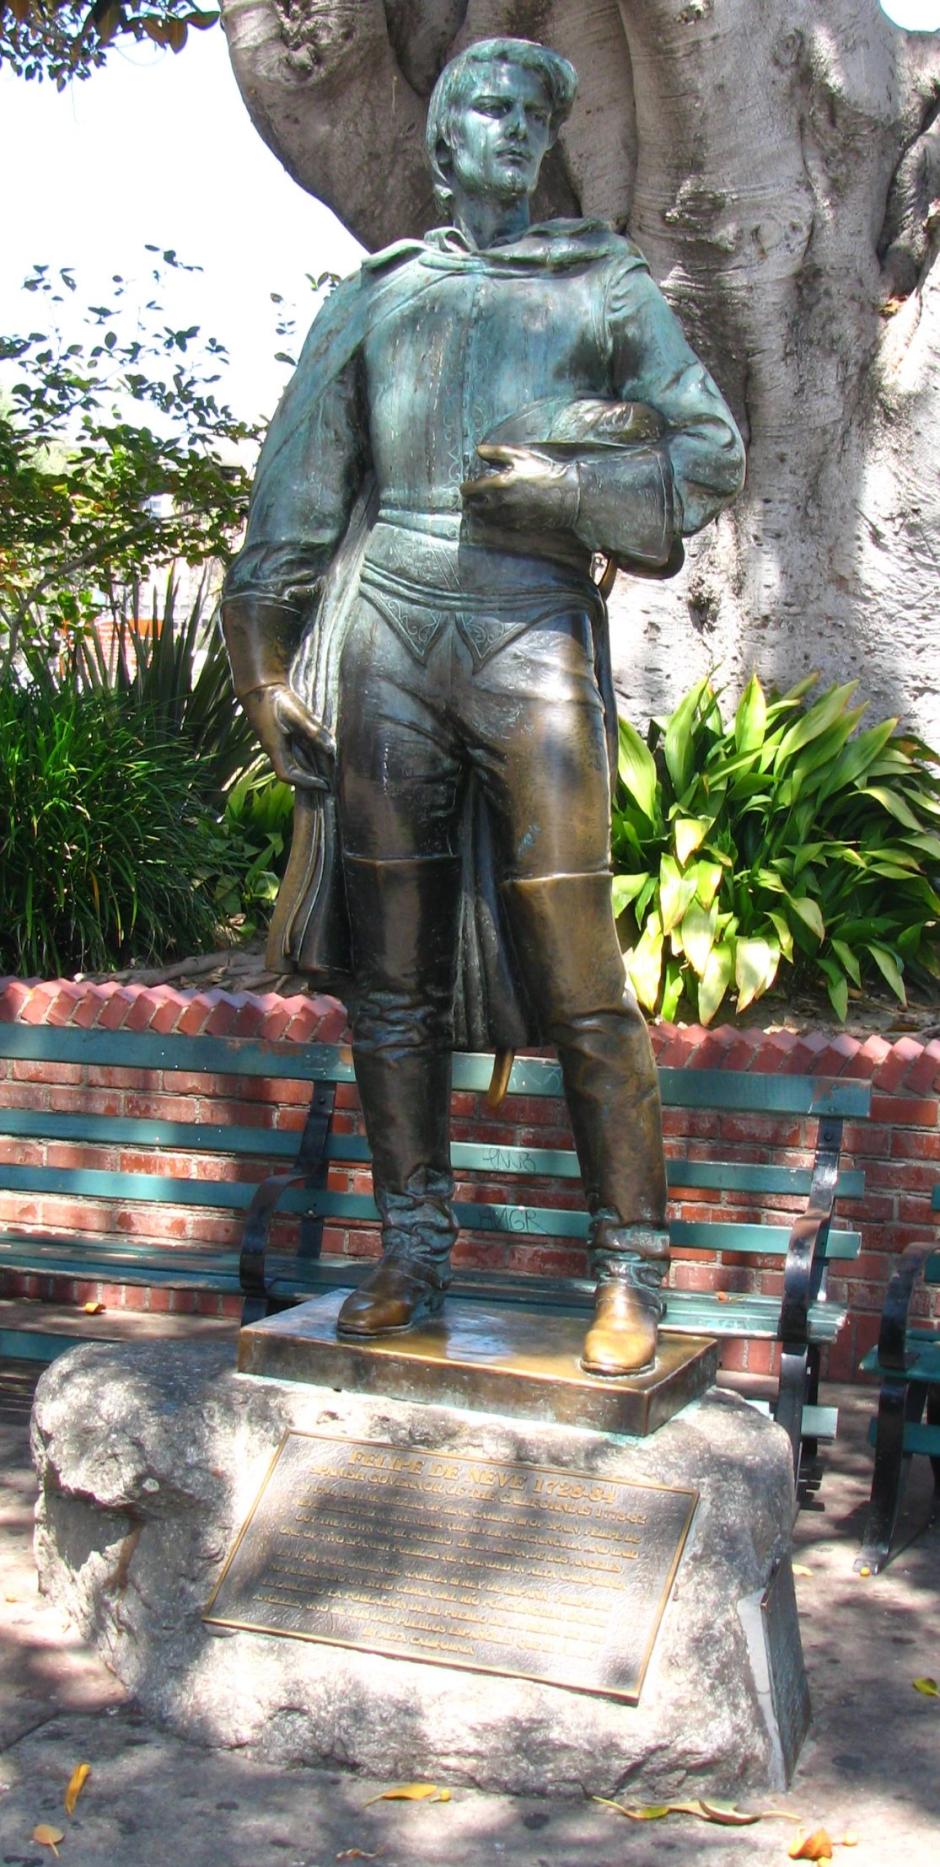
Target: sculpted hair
456,82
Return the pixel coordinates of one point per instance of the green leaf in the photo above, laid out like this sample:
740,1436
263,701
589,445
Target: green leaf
893,802
636,768
809,914
699,929
837,987
624,889
707,877
849,960
926,842
755,969
888,967
826,710
768,878
715,981
783,933
688,835
672,990
678,743
644,963
857,758
750,721
676,891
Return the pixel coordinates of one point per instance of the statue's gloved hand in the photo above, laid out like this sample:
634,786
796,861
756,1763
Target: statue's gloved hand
297,743
527,489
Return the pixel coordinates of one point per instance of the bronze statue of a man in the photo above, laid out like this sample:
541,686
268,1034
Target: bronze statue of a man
416,637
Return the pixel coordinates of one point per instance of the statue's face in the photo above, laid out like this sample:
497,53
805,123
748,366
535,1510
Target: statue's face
499,135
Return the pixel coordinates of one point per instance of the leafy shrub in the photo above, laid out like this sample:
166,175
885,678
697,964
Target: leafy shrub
788,835
256,826
172,672
106,846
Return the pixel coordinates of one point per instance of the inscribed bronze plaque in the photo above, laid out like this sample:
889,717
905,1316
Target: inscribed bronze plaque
479,1563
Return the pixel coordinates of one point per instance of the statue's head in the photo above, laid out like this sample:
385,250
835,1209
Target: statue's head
494,112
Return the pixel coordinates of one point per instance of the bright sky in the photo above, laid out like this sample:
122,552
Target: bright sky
916,15
157,147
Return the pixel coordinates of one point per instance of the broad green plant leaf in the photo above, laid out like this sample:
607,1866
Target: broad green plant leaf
676,891
636,768
755,969
624,889
672,990
750,720
644,963
816,721
848,959
715,980
888,967
809,914
837,986
678,743
707,876
893,802
688,835
782,930
699,929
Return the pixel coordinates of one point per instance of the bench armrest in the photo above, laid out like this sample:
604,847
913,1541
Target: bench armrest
805,1262
892,1352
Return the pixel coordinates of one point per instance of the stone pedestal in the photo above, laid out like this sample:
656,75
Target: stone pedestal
151,1457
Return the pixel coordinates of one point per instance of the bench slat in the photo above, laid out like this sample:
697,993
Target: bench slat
691,1312
479,1157
919,1436
145,1050
535,1076
122,1131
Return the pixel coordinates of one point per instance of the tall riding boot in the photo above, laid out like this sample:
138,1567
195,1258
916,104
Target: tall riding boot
403,920
564,933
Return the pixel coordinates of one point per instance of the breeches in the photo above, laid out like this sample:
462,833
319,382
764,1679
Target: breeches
527,726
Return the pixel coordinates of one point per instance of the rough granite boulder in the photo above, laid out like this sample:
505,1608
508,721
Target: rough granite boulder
149,1458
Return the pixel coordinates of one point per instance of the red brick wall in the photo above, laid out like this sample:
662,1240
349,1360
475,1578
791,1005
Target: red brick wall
899,1148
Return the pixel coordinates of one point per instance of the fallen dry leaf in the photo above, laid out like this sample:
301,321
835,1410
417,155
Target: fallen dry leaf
411,1792
723,1814
77,1781
928,1687
93,1309
47,1836
799,1568
814,1847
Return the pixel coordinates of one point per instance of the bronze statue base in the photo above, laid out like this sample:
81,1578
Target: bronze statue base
489,1357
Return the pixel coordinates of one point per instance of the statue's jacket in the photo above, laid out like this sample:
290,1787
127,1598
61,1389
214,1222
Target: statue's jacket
430,349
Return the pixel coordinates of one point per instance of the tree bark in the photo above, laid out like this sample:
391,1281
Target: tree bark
778,161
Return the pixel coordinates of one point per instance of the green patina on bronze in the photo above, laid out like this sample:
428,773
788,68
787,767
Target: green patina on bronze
416,636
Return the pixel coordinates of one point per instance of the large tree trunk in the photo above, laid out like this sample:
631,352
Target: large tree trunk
778,162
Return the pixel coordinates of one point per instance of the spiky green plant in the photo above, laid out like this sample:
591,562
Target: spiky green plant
789,836
106,848
172,671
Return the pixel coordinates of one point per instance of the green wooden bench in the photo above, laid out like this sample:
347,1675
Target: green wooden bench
804,1244
907,1359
